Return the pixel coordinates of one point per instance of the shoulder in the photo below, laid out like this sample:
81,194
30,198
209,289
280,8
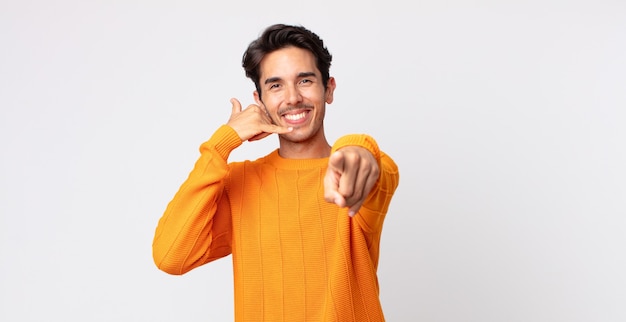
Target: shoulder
388,163
248,167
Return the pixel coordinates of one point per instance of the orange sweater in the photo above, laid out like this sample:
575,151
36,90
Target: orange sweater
295,257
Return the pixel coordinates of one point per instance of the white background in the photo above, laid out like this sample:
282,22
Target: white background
506,118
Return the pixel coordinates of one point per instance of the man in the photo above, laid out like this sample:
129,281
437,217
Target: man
304,222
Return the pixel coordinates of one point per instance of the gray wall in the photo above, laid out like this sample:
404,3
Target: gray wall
505,118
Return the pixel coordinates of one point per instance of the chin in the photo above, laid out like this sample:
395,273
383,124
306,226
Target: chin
295,137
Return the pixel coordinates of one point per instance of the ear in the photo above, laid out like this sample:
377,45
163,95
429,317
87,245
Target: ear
257,99
330,89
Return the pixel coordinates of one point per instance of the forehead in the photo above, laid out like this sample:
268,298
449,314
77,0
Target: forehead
287,62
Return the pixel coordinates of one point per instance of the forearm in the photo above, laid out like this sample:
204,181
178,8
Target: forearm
375,205
195,226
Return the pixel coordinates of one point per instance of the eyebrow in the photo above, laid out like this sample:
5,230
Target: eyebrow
300,75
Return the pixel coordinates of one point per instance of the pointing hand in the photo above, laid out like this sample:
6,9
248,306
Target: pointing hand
352,172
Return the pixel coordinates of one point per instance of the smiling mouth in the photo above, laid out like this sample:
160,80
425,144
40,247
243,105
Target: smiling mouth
295,117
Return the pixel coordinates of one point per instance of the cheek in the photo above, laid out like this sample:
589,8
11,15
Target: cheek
272,102
313,97
271,107
322,113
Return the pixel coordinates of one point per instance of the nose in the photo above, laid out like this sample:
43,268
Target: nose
293,96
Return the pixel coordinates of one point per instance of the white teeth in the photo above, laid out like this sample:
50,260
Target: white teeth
295,117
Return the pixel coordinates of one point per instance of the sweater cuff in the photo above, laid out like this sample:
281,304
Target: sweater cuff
223,141
362,140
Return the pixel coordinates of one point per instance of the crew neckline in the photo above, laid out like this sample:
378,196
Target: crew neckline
276,160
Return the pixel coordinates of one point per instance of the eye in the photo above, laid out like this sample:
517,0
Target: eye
274,86
306,81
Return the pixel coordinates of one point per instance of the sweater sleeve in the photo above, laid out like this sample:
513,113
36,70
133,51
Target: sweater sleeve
196,225
372,213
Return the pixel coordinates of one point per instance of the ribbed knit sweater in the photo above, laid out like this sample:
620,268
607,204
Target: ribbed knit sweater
295,257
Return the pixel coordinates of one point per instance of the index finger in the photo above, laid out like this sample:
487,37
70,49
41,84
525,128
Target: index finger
336,161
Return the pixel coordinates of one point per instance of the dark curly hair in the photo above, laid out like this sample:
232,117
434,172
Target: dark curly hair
279,36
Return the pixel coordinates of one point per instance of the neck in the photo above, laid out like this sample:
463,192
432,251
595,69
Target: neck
304,150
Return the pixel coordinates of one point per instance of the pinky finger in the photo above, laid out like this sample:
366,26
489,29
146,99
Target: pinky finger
354,209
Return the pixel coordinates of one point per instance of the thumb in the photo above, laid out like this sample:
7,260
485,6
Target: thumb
332,178
236,105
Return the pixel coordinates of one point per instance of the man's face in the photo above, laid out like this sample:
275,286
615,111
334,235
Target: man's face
293,94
